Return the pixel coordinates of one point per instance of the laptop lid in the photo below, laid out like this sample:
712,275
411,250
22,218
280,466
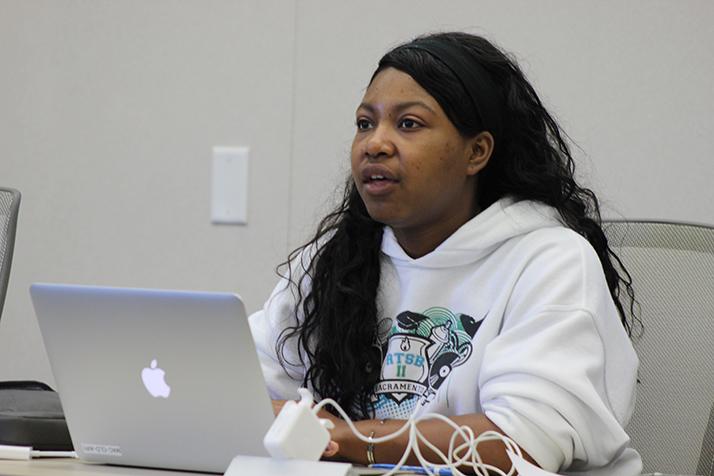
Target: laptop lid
155,378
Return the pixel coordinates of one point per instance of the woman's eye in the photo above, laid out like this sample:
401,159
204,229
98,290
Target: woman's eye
409,124
363,124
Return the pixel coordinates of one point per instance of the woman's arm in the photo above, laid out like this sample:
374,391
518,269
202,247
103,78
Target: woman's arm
350,448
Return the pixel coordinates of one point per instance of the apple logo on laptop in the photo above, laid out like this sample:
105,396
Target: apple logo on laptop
154,382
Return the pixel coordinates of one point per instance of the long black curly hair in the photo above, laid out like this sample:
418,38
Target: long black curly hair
336,317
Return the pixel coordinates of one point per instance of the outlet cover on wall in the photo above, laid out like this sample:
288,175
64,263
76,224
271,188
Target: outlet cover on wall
229,187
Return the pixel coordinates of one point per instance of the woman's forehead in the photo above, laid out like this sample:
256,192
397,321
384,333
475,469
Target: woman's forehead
392,86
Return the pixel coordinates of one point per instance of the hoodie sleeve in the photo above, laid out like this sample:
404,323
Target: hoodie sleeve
266,326
559,378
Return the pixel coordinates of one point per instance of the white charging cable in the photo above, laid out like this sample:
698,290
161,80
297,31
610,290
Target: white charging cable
453,460
26,453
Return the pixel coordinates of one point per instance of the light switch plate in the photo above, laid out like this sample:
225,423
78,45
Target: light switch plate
229,190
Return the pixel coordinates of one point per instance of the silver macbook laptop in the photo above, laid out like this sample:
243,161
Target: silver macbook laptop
166,379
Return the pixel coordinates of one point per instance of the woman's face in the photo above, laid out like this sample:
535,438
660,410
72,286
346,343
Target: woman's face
411,166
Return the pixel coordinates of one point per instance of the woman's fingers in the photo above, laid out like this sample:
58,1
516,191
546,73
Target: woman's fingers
277,406
331,450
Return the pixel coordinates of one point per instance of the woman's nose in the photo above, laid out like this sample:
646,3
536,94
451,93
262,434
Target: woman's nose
380,143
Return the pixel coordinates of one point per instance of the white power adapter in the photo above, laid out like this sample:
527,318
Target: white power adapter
297,432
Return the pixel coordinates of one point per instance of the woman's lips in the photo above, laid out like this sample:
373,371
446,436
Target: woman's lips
379,186
378,180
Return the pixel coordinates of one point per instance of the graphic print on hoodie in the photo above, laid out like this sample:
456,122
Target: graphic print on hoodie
420,353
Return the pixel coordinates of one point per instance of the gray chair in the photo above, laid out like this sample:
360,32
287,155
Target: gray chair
672,267
9,208
30,412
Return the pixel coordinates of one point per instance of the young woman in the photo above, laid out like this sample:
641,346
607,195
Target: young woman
465,273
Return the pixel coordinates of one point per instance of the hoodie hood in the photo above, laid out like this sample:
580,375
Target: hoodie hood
480,236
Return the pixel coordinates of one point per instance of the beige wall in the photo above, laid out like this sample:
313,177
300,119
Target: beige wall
109,110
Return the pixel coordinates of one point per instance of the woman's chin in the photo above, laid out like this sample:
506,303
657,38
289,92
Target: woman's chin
383,216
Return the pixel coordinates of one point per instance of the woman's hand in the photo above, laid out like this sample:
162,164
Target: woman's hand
332,449
278,405
332,452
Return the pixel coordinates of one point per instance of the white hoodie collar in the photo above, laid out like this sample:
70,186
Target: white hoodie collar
479,236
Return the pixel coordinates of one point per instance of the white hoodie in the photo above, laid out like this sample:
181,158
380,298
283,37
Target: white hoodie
511,317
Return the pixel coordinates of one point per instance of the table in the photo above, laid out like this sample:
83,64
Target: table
71,467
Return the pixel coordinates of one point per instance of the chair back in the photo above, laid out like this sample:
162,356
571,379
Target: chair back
9,208
672,268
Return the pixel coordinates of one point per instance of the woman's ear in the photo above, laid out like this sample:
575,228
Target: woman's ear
481,150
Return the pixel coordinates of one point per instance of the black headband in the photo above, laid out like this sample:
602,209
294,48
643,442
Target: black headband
473,77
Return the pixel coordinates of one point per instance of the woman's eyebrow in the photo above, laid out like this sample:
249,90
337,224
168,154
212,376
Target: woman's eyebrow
397,107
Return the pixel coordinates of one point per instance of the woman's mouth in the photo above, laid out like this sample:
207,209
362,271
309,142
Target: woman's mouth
378,185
